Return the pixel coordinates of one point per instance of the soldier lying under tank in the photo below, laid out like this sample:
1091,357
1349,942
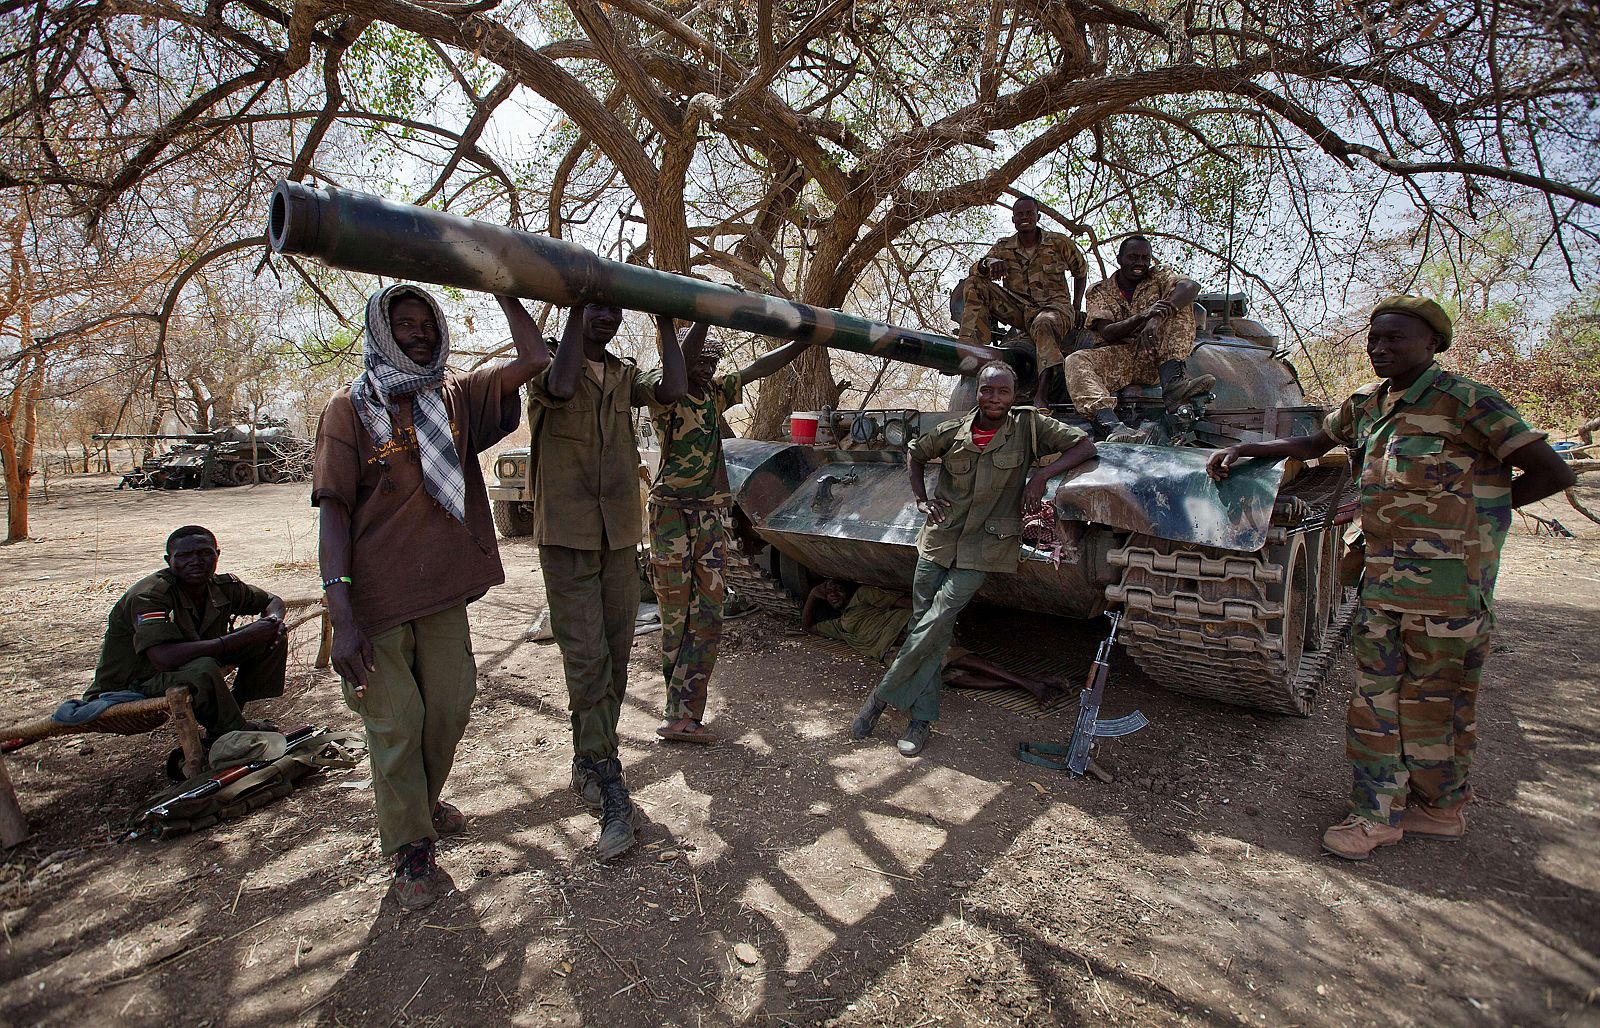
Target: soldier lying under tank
873,622
1142,318
974,527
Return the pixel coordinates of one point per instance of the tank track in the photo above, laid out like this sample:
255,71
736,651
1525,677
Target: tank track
1212,623
760,588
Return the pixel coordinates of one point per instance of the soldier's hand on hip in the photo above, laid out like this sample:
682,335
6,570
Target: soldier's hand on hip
935,509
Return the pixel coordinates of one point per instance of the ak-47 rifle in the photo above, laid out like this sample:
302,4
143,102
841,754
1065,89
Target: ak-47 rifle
225,778
1089,726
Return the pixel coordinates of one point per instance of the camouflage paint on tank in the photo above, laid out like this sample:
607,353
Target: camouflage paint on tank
360,232
852,515
1164,491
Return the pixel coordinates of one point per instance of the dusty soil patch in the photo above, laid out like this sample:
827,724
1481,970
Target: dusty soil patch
788,875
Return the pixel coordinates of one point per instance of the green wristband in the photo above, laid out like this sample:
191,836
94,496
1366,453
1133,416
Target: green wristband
329,583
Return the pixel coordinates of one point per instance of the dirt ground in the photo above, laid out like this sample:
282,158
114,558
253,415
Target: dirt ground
787,875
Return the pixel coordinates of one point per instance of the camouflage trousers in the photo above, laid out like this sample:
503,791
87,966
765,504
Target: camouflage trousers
688,555
1412,726
1046,324
1094,376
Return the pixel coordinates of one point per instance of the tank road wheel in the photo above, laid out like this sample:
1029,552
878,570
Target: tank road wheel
239,474
1224,625
512,517
269,473
1324,546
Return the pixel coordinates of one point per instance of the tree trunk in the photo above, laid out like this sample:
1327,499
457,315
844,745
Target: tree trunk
19,425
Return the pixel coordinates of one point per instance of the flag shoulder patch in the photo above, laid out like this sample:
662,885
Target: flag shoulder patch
151,616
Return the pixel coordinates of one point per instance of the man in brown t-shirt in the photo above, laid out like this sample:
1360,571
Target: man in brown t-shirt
406,543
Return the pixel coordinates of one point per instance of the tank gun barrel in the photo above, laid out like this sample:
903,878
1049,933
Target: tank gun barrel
189,437
360,232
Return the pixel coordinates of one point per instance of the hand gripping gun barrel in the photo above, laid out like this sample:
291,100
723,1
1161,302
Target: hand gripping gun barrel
1089,726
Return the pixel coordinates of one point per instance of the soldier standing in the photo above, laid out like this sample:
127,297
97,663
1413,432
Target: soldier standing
406,542
1143,320
974,527
690,507
1022,280
1437,452
584,468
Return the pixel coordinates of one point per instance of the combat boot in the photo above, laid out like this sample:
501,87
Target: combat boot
867,718
618,815
1356,837
1176,389
1110,428
1425,822
586,783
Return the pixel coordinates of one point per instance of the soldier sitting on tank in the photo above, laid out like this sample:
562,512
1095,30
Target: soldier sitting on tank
1022,281
174,628
974,527
1143,321
690,510
1437,453
873,622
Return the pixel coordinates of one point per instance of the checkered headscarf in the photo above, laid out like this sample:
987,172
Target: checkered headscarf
391,375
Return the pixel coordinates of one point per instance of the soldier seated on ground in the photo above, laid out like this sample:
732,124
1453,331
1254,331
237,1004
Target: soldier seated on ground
173,628
1142,318
873,622
1022,281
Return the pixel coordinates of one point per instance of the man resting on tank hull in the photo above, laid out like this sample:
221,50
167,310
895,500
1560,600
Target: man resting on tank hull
974,527
1143,321
1022,280
1436,501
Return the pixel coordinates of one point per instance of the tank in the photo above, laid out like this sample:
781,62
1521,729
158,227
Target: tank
233,455
1228,589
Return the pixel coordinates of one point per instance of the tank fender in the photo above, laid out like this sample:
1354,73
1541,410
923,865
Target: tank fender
1165,492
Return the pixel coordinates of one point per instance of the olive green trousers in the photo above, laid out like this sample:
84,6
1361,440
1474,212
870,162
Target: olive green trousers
218,708
415,711
594,601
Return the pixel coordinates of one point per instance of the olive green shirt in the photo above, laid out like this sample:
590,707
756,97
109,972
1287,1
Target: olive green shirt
156,610
584,460
982,530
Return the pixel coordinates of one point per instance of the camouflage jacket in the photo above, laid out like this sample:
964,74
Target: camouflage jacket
1040,273
693,474
1435,489
1104,300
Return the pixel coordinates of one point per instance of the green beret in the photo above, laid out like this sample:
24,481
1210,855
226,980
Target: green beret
1417,307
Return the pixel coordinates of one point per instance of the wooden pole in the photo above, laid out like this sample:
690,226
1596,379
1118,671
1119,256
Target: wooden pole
13,826
183,722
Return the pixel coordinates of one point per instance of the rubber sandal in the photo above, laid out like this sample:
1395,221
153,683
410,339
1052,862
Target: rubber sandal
703,737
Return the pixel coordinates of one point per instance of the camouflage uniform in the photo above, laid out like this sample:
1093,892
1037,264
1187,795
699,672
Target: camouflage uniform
689,511
1435,507
1094,376
1034,296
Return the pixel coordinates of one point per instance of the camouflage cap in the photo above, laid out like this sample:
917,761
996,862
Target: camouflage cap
1417,307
